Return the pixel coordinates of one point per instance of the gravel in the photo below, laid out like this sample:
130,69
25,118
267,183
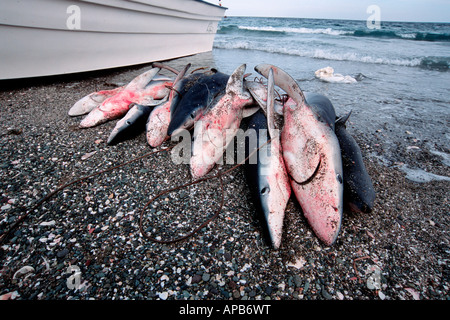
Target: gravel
85,243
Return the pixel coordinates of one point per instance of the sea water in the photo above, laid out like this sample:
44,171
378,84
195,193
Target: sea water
402,71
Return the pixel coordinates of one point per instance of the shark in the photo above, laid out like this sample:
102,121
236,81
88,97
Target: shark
141,90
312,156
215,130
267,177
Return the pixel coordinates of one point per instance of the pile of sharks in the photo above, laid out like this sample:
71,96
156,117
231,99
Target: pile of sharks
303,148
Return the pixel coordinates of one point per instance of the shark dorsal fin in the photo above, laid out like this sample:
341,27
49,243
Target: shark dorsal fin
235,84
342,120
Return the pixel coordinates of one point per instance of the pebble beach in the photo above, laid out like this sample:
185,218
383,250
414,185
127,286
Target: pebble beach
85,244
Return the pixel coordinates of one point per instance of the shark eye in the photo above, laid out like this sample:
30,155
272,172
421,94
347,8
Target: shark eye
128,122
265,191
192,115
339,178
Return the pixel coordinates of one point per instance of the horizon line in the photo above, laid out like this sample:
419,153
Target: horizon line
347,19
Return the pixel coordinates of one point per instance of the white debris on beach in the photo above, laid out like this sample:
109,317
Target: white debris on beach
327,74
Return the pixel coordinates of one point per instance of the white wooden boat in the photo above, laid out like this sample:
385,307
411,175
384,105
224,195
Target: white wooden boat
50,37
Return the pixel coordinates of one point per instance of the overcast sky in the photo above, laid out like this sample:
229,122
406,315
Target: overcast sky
391,10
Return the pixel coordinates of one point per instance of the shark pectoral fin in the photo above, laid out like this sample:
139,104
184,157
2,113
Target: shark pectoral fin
162,78
270,105
305,169
248,112
143,79
148,100
259,100
284,81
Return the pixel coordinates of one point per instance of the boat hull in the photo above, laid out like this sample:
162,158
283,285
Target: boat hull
44,37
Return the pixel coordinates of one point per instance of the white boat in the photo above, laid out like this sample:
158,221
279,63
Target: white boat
51,37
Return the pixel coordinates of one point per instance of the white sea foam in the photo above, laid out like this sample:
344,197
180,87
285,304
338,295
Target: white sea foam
351,56
408,35
318,53
328,31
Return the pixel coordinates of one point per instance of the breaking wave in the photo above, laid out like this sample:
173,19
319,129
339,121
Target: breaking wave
418,36
434,63
296,30
267,31
386,34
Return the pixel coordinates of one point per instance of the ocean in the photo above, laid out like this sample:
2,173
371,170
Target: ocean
402,69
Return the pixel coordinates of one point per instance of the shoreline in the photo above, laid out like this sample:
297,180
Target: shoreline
95,225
